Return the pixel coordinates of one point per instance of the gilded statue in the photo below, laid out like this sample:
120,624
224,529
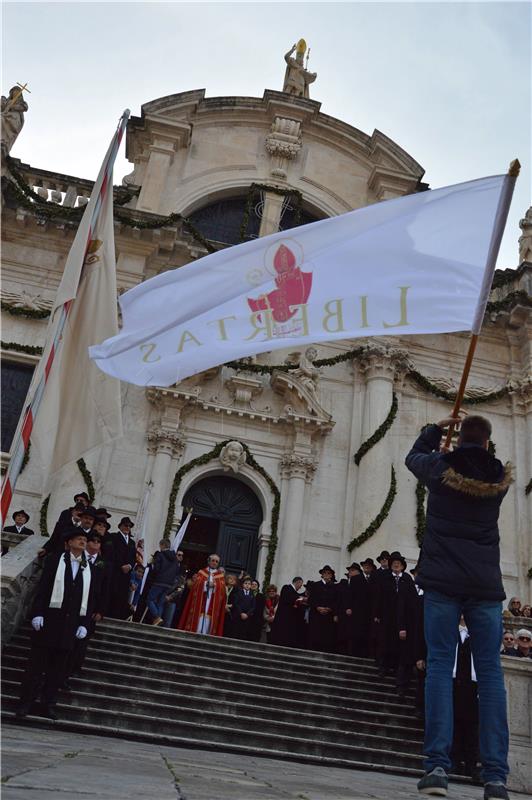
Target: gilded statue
297,78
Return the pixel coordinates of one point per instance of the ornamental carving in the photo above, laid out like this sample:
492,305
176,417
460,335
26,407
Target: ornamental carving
283,144
383,360
161,440
233,457
294,465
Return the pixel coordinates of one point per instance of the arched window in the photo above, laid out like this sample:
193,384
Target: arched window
222,221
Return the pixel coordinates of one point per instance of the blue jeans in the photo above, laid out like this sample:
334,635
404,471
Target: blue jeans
484,622
156,600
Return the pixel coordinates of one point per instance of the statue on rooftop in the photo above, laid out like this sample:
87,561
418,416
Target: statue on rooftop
297,78
13,108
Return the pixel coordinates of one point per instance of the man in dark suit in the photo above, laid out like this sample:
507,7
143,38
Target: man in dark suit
323,602
243,610
120,551
60,614
20,518
346,631
69,518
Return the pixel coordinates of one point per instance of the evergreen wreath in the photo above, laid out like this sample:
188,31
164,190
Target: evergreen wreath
250,460
87,477
43,523
22,348
379,519
28,313
528,487
379,433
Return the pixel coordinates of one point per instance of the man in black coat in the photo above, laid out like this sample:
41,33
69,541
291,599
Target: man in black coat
361,617
323,603
288,626
464,752
20,518
345,627
243,609
120,551
69,518
60,614
459,571
165,571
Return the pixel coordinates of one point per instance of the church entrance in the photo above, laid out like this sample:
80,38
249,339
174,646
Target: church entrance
225,520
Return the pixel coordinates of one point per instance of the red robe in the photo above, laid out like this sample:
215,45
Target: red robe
196,602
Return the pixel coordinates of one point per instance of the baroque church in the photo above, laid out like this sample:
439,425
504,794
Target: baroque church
285,470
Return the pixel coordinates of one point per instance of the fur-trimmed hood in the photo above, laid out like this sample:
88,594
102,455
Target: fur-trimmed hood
473,471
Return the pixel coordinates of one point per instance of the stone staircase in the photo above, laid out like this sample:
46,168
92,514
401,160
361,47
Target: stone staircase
174,688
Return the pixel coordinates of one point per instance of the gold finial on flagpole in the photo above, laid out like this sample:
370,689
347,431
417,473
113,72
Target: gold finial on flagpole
515,168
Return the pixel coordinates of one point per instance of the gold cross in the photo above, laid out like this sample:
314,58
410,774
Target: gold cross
17,94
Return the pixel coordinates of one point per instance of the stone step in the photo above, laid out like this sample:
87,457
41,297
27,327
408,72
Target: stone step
105,681
179,673
165,686
343,678
237,731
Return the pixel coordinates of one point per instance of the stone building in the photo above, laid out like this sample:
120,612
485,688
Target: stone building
290,496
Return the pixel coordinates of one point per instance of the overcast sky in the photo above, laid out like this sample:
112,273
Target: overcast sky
449,82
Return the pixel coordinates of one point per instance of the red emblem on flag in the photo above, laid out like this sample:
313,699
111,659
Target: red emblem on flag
293,287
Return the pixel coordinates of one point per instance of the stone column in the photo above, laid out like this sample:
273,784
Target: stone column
518,683
378,367
161,154
297,470
521,400
166,446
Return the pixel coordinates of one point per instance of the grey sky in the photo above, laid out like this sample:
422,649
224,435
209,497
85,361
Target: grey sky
449,82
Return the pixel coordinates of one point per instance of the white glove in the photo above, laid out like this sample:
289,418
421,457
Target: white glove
37,623
81,632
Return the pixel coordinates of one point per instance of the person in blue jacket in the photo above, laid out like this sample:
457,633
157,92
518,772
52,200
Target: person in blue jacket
459,572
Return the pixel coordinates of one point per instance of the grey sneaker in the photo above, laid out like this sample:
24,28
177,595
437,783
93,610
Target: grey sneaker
495,791
435,783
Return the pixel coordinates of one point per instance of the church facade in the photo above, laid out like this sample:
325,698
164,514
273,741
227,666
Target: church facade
284,470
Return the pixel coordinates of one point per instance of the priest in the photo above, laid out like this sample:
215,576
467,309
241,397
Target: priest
204,610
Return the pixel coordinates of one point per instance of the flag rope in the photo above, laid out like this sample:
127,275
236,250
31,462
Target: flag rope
24,430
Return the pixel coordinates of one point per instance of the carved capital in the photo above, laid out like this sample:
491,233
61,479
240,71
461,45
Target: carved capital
520,391
383,360
294,465
161,440
244,389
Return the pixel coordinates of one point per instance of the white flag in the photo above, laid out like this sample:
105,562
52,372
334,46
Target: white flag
180,534
81,406
412,265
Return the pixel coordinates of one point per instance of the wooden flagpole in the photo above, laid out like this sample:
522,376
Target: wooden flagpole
493,252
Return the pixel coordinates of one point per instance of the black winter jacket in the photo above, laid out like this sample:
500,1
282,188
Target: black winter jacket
166,569
460,555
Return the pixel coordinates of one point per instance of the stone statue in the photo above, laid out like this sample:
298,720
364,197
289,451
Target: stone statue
297,78
525,241
13,108
233,456
307,373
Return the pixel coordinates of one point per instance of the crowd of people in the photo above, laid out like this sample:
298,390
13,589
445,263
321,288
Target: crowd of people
405,621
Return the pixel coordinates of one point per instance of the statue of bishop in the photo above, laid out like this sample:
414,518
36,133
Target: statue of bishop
13,109
297,78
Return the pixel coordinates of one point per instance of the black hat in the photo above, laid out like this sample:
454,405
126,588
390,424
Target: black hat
367,561
385,554
102,512
101,521
82,494
125,521
93,536
396,556
79,507
354,565
326,568
16,513
89,512
72,532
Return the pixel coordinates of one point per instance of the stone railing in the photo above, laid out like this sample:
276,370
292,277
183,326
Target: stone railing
10,540
514,624
64,190
518,683
21,570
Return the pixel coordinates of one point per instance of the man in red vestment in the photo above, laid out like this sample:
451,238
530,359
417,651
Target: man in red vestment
204,610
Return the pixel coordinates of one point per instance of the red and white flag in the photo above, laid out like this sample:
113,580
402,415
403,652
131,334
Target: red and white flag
72,406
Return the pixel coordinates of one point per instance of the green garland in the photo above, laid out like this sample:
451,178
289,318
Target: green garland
430,387
379,519
87,477
250,460
255,189
45,209
25,459
421,517
529,573
22,348
43,523
379,433
28,313
528,487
